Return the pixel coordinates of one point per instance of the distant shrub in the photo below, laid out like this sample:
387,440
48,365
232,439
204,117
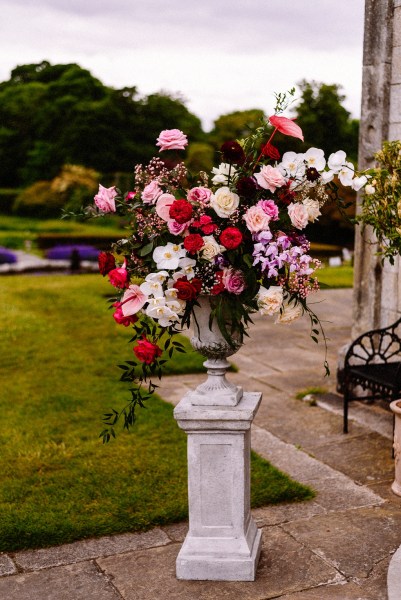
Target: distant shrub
74,187
38,200
6,256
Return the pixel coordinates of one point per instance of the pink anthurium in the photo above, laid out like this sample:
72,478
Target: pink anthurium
286,126
132,300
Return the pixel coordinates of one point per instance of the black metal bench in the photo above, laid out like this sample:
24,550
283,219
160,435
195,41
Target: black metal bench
373,364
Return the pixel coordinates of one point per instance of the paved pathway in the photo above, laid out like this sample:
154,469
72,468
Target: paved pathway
336,547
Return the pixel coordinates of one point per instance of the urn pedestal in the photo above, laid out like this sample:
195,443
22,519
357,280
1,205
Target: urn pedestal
396,408
223,542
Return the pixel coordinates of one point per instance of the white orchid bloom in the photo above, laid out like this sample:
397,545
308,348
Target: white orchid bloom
314,158
168,256
346,174
337,160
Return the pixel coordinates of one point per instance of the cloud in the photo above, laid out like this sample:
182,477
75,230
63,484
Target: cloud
221,54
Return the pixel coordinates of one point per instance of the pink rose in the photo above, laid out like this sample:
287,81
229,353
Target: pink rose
200,195
104,199
163,204
256,219
177,228
298,214
151,192
270,208
172,139
233,281
270,178
133,300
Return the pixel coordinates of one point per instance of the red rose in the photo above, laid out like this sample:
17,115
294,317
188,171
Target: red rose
146,351
193,242
106,262
119,278
188,290
231,238
181,211
205,224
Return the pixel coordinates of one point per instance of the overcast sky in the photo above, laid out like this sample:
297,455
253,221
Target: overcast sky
221,55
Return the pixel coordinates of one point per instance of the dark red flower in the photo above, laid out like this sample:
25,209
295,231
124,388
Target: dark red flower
205,224
106,262
232,152
146,351
193,242
285,194
271,151
120,318
181,211
312,174
246,187
231,238
188,289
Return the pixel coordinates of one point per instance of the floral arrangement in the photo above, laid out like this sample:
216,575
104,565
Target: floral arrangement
381,203
235,235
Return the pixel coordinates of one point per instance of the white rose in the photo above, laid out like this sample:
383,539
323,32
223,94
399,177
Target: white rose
224,202
298,215
290,313
211,248
313,209
270,300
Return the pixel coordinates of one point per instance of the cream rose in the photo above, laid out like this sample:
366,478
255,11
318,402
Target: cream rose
313,209
211,248
289,313
224,202
298,215
270,300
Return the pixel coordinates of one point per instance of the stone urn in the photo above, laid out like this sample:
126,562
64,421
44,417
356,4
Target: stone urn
223,542
396,408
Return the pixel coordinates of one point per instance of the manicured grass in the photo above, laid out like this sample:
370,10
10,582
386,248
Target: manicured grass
336,277
58,482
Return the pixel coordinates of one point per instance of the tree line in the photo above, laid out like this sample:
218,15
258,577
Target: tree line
56,115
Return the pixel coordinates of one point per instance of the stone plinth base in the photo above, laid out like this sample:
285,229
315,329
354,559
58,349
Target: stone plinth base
223,542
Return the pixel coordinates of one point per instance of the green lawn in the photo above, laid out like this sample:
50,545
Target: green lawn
58,355
336,277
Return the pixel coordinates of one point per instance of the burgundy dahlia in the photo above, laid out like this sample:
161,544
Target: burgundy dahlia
232,152
246,187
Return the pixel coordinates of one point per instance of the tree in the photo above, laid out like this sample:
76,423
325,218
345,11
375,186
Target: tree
325,123
235,125
53,115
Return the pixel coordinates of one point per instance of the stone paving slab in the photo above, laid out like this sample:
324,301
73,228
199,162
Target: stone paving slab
43,558
82,581
354,540
284,565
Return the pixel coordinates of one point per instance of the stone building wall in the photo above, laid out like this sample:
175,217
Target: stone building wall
377,287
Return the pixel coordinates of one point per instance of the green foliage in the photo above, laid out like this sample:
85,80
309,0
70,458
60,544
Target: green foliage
52,115
381,203
235,125
200,157
325,123
59,483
